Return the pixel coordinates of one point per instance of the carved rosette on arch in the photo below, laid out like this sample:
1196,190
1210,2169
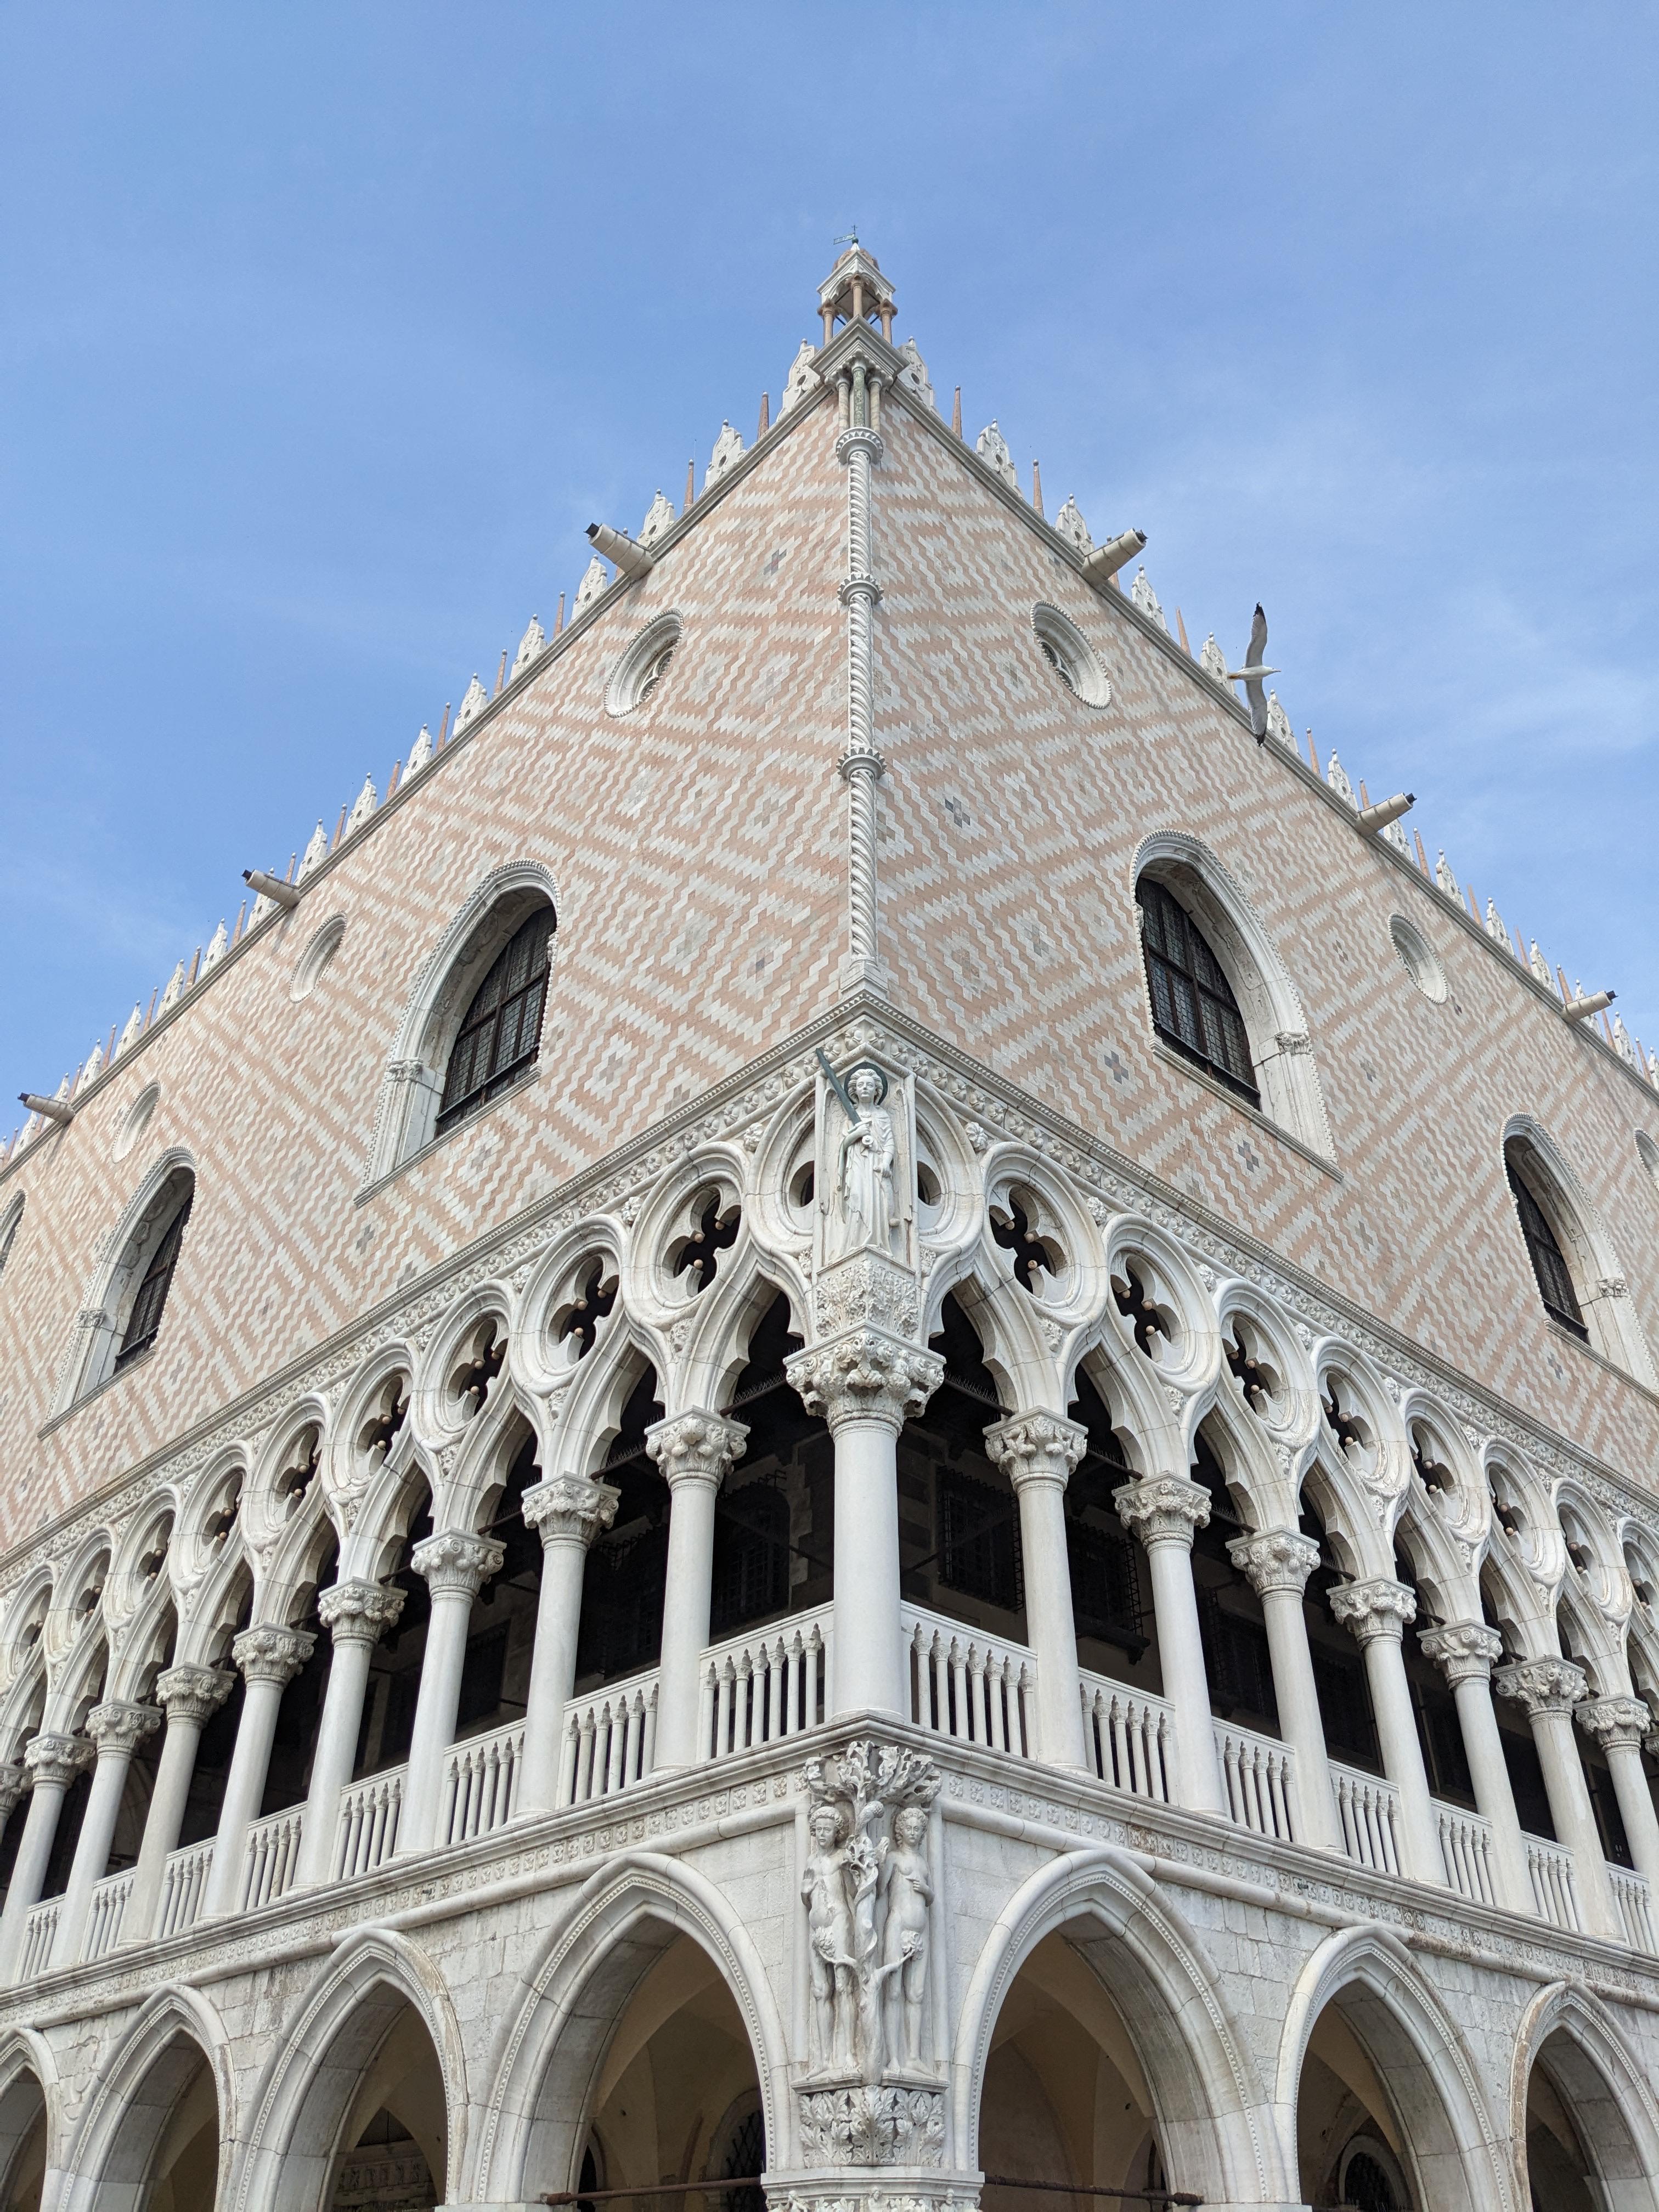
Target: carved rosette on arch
268,1654
1463,1650
1542,1685
193,1693
359,1611
121,1727
1163,1509
457,1564
865,1376
569,1509
1275,1559
1368,1610
868,1891
1616,1724
695,1447
1036,1448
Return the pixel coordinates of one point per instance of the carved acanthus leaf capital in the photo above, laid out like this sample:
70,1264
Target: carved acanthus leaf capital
193,1693
359,1611
1368,1610
865,1376
696,1446
1036,1448
1163,1509
14,1780
1275,1559
1464,1651
457,1564
118,1726
568,1509
270,1654
1542,1685
1616,1724
55,1760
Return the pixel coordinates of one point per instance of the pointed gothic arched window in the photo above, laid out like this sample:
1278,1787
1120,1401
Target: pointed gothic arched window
145,1318
1549,1263
500,1033
1193,1008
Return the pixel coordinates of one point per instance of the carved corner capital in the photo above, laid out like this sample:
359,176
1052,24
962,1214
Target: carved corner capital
359,1611
1616,1724
864,1375
1542,1685
1036,1448
193,1693
860,439
1275,1559
696,1446
569,1509
55,1759
1464,1651
14,1780
117,1726
867,2125
1368,1610
270,1654
1163,1509
457,1564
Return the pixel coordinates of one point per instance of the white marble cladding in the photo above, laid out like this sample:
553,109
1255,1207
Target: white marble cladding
1227,1944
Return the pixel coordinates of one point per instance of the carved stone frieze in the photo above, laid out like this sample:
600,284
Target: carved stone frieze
865,1288
871,2125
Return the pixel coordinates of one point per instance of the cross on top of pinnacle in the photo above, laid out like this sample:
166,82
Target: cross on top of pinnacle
855,291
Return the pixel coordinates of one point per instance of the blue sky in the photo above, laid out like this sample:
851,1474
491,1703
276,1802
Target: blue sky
325,330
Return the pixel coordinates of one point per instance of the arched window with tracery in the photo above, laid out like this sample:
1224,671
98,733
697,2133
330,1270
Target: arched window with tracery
144,1321
1549,1263
1193,1008
501,1031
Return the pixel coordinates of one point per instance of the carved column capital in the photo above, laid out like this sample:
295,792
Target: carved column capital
456,1563
270,1654
56,1758
1274,1559
860,439
1542,1685
568,1509
1380,1608
1036,1448
1463,1650
696,1446
193,1693
359,1611
1616,1724
1163,1509
116,1726
14,1780
865,1376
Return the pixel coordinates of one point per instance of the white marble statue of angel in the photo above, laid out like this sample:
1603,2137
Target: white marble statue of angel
863,1177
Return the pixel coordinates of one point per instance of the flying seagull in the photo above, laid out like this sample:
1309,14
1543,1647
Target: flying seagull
1253,676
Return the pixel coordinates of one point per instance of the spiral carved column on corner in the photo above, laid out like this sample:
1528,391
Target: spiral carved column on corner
1163,1510
570,1511
865,1383
861,765
1038,1451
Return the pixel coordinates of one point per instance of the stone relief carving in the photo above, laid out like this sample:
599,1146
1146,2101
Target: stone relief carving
868,1892
872,2127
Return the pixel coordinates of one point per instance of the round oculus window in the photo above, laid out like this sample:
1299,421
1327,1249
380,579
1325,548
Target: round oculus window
136,1120
1071,657
308,971
641,671
1419,958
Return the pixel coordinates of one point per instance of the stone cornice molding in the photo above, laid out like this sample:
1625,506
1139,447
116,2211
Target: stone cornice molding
569,1509
1616,1724
116,1726
456,1564
359,1611
1037,1449
193,1693
695,1447
1274,1559
864,1375
1463,1650
1380,1608
1164,1508
268,1654
55,1760
1542,1685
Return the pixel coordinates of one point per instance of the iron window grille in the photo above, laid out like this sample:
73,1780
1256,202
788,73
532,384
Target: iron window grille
1193,1008
1549,1266
145,1319
979,1550
502,1033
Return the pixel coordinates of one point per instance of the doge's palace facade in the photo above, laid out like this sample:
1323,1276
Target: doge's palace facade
863,1419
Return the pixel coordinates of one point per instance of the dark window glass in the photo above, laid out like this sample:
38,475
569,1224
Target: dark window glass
751,1557
979,1540
145,1319
745,2156
483,1672
1554,1282
1345,1705
502,1030
1236,1655
1193,1008
1367,2187
1105,1585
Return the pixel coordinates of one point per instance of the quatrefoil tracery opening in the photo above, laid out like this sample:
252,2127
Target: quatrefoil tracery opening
716,1232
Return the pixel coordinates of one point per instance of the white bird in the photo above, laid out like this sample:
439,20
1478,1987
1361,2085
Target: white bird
1254,676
